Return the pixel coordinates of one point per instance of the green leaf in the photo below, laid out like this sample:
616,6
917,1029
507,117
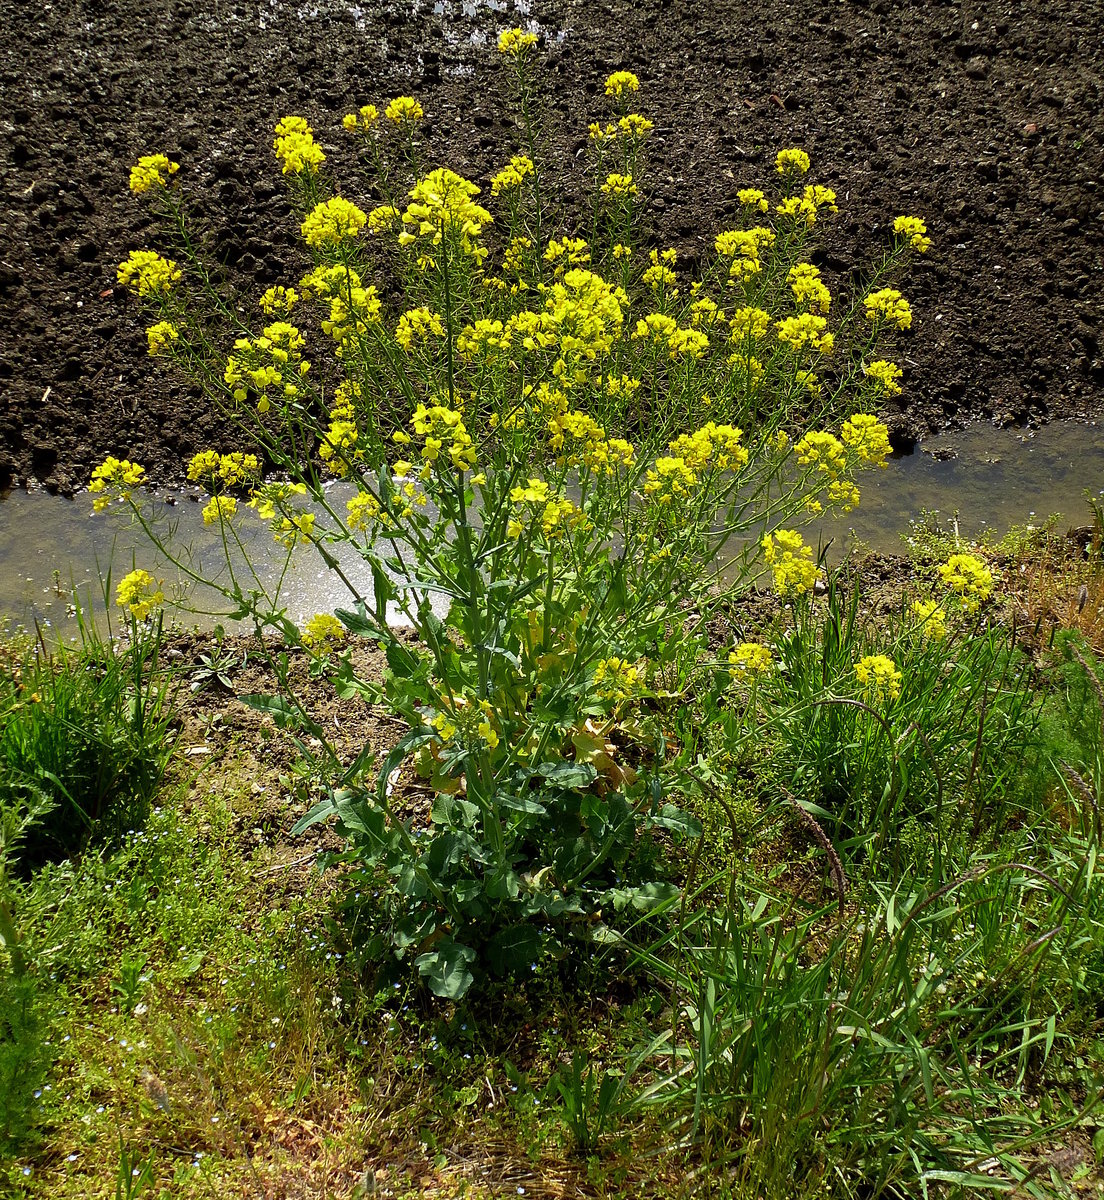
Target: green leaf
357,622
514,949
282,712
445,969
568,774
651,895
673,819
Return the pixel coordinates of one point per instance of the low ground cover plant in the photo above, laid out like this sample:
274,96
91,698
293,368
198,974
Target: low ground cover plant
843,863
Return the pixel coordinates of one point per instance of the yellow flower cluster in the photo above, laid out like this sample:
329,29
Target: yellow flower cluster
161,336
879,677
557,515
485,337
353,308
384,218
404,110
867,437
515,43
322,631
744,247
218,471
270,499
513,175
752,198
932,618
365,512
659,275
295,147
617,679
634,126
602,133
687,344
332,222
151,170
712,446
444,202
577,439
887,304
913,231
704,312
339,447
279,301
290,530
362,120
570,252
749,325
621,82
885,375
968,578
417,324
822,450
219,509
619,187
444,431
789,162
790,561
806,330
140,593
271,361
147,273
113,479
809,291
751,658
671,479
586,313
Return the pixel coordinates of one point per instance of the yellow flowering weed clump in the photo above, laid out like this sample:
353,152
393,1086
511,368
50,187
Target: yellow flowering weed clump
562,435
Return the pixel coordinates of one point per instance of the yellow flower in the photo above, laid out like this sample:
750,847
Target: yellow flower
913,231
749,324
968,578
790,561
161,336
152,170
617,679
885,375
332,222
444,201
619,186
843,494
822,450
513,175
818,197
808,290
218,509
887,304
279,301
806,330
932,618
789,162
879,676
295,147
621,82
416,325
404,109
322,631
113,479
361,121
752,198
515,43
867,437
140,593
634,126
147,273
751,658
364,511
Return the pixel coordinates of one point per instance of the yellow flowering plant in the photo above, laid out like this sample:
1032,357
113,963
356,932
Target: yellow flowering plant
549,453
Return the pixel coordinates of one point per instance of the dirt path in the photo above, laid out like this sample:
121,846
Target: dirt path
986,120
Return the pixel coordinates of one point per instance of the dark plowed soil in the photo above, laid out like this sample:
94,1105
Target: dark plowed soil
984,119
